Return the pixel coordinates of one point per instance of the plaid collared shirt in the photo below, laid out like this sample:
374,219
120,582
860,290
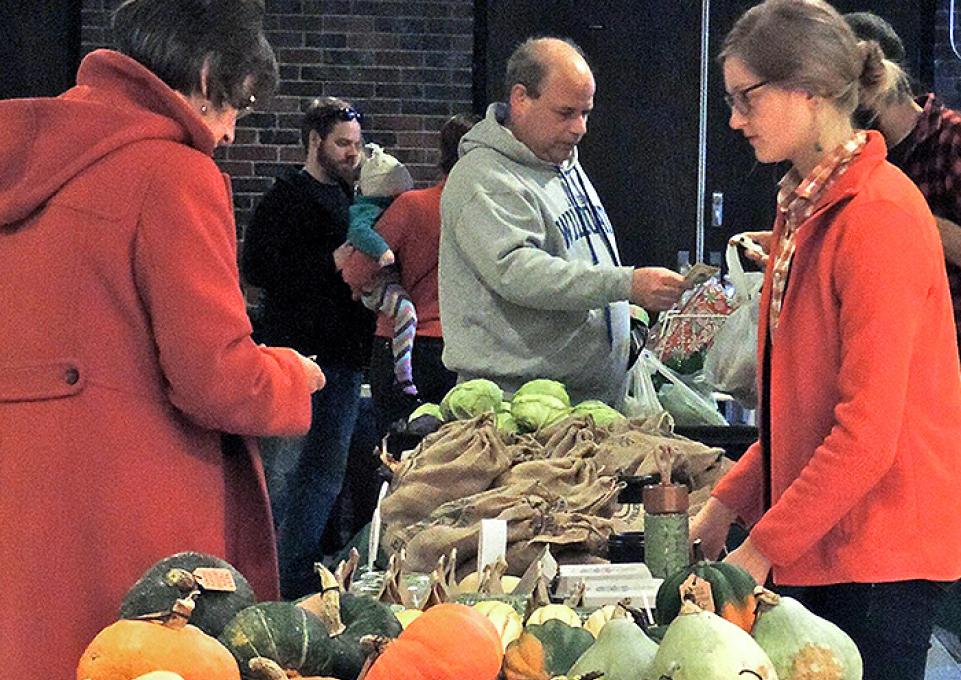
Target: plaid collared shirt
796,200
931,157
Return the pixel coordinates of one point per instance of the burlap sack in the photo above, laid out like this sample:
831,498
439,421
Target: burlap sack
631,452
426,547
463,459
565,435
564,532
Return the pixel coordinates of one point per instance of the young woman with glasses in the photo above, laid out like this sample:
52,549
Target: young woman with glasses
860,419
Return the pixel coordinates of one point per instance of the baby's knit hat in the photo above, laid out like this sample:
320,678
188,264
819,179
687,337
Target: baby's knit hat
383,175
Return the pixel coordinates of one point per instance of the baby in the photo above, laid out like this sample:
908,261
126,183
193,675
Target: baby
382,179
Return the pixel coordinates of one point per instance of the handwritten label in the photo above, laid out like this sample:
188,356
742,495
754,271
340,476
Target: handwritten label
219,580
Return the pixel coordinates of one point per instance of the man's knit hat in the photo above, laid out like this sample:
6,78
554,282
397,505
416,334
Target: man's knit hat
383,175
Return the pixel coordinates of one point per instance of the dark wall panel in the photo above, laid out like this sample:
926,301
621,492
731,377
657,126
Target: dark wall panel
39,46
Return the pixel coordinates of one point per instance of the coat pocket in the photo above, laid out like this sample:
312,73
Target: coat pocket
40,381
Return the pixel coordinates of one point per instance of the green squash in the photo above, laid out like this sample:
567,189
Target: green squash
563,644
699,645
362,615
802,645
622,652
159,587
284,633
731,587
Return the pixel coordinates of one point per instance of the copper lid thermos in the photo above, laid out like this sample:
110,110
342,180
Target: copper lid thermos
666,548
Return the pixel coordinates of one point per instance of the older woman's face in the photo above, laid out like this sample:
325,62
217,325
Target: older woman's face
220,120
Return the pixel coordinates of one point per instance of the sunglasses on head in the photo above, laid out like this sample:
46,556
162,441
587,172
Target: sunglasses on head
347,114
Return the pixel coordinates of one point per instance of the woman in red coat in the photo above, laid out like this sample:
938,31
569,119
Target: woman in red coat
125,348
851,492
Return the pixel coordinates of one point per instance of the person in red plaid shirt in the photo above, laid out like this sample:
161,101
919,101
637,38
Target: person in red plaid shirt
924,141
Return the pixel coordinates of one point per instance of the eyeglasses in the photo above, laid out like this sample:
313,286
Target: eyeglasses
739,100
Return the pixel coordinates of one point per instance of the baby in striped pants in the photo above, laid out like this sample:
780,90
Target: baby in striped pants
382,179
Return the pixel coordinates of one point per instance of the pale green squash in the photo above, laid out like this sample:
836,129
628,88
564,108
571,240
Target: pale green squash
802,645
699,645
622,652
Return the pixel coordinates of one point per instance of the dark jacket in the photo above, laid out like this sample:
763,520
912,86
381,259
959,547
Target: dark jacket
288,252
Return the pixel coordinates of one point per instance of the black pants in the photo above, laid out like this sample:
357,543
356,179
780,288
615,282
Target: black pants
889,622
433,380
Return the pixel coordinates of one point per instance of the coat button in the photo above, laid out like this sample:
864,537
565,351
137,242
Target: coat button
71,376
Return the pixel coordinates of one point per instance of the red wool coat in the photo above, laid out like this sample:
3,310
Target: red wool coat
125,352
865,412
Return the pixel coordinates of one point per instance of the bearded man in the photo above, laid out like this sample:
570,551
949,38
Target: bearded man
288,254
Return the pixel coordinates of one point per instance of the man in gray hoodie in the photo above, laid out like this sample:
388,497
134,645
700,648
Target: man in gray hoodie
531,284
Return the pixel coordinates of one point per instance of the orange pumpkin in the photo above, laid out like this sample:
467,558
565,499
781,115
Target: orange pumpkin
128,649
447,642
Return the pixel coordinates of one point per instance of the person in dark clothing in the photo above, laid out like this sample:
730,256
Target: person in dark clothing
288,253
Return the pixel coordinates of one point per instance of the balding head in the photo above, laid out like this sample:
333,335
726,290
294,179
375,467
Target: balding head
550,94
535,58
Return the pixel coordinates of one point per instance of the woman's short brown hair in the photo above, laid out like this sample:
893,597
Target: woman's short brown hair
450,133
175,38
806,45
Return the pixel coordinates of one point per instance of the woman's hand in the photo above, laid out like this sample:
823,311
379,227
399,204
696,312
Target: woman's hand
711,525
762,239
750,560
315,377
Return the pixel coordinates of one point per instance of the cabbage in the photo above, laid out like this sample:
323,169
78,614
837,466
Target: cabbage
427,409
550,388
534,411
505,423
471,398
505,407
601,412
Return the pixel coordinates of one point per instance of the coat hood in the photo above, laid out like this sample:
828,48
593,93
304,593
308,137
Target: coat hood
491,133
46,142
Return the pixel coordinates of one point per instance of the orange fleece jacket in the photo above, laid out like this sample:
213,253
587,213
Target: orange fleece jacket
865,405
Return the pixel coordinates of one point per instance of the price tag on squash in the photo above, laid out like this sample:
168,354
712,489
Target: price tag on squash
698,590
219,580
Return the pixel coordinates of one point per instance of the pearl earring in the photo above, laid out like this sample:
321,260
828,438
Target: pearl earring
203,108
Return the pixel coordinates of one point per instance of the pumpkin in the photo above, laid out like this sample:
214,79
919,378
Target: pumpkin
561,612
545,650
801,644
699,645
284,633
622,652
129,648
164,582
731,587
449,641
504,617
160,675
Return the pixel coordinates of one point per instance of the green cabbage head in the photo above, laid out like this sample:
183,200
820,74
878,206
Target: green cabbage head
471,398
550,388
505,423
427,409
534,411
601,412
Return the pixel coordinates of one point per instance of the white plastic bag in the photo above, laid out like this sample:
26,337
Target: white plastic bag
641,400
730,365
687,406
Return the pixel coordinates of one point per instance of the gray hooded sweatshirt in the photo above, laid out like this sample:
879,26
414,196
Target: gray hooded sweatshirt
530,279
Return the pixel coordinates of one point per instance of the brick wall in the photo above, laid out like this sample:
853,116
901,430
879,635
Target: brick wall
405,64
947,65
